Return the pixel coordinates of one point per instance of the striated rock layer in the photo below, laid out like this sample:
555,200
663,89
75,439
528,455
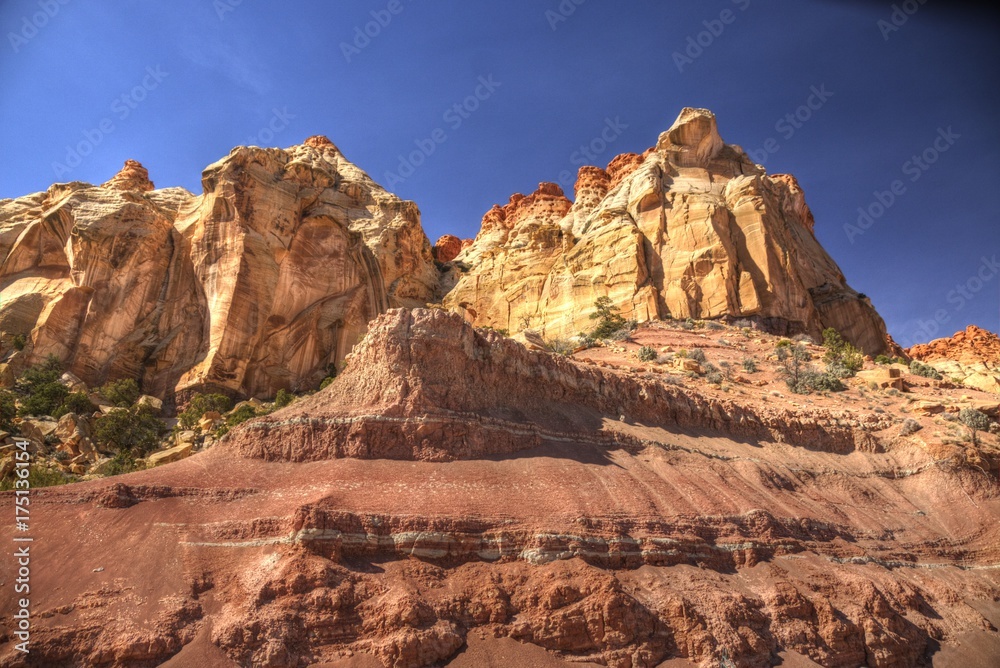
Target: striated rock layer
263,282
971,356
692,228
453,491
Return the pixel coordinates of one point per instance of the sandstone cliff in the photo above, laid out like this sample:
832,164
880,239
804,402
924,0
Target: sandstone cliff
265,281
692,228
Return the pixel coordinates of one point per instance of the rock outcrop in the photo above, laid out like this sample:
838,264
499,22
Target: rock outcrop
452,489
692,228
263,282
971,356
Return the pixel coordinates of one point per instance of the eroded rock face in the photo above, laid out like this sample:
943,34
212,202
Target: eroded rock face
971,357
692,228
264,282
451,486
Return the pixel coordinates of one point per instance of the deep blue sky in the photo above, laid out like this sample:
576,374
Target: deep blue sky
224,77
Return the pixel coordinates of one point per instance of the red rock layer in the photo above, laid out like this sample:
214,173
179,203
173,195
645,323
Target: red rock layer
547,205
971,346
447,248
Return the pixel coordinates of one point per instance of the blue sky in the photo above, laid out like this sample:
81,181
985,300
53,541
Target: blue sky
177,85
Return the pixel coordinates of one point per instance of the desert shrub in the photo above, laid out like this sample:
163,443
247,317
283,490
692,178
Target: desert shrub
842,359
135,429
123,462
975,420
608,317
647,354
783,343
750,365
326,382
38,477
671,379
40,389
75,402
711,324
19,341
910,426
885,360
665,359
241,415
714,377
8,410
743,323
918,368
201,404
727,370
496,330
803,338
122,393
623,334
688,324
794,359
283,398
697,354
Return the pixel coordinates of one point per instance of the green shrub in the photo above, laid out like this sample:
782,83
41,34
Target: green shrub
608,317
910,426
925,370
134,429
19,341
241,415
8,410
975,420
123,462
40,389
750,365
283,398
38,477
842,359
647,354
122,393
76,402
201,404
714,377
326,382
697,354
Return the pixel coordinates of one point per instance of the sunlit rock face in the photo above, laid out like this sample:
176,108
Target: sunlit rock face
691,228
263,282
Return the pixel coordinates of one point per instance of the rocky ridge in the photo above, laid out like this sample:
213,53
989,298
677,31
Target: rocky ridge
971,357
603,519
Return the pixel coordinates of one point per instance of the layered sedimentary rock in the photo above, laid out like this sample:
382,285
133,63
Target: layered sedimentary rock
971,356
692,228
453,492
263,282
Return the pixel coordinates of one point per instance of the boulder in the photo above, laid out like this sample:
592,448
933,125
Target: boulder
72,383
154,404
38,429
169,455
